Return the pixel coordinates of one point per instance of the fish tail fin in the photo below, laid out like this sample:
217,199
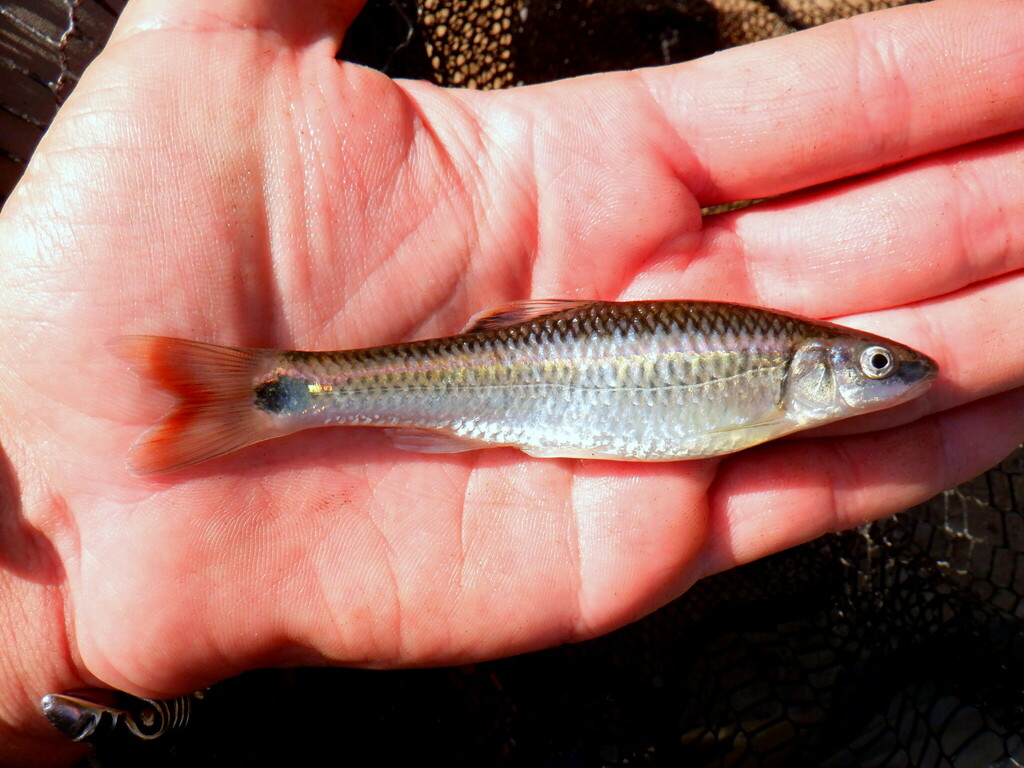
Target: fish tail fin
215,413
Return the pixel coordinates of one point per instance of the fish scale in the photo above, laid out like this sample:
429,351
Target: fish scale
647,381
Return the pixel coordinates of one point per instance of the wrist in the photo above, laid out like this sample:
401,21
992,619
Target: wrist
35,651
34,661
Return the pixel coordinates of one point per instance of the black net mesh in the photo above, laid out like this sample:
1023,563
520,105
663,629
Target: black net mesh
896,644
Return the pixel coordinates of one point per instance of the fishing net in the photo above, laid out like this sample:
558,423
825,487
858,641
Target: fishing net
896,644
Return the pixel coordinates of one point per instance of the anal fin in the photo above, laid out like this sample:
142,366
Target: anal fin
433,441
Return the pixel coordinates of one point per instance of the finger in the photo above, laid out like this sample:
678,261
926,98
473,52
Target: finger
845,98
302,22
925,229
976,335
769,499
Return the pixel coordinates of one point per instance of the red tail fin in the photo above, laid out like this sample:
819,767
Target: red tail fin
215,414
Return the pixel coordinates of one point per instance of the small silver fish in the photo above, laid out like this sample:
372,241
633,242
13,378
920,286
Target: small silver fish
641,381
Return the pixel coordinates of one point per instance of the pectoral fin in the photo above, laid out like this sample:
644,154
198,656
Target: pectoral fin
742,436
768,425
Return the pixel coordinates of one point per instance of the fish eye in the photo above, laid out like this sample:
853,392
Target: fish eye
876,362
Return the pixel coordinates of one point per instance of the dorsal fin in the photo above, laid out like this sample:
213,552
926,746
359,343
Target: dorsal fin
519,312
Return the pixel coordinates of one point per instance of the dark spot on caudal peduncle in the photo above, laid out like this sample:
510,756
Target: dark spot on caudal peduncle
278,395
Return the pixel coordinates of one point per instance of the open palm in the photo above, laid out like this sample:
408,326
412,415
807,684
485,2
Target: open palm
219,176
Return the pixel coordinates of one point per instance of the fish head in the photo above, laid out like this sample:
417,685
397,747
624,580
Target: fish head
834,377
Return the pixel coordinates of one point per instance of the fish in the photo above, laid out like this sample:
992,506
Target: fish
555,378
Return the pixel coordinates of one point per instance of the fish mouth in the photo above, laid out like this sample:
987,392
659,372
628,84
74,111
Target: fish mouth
919,371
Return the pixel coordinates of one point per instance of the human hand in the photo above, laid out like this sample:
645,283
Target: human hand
218,176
